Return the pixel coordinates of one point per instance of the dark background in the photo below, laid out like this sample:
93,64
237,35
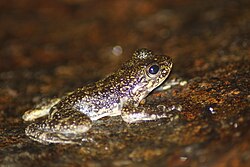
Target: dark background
50,47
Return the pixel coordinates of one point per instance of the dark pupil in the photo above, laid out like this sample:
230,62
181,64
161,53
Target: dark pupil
154,69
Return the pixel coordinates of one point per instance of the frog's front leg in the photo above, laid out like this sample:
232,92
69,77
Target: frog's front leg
62,126
131,114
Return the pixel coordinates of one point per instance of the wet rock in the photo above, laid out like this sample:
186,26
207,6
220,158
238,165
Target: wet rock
49,48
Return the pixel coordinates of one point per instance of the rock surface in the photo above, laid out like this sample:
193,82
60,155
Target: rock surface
51,47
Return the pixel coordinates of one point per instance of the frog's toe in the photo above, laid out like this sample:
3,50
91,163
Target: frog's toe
47,137
147,112
46,133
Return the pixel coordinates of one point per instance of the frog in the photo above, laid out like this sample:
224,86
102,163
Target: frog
65,120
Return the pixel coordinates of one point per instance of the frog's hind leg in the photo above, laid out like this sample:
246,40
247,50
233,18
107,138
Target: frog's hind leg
66,127
131,114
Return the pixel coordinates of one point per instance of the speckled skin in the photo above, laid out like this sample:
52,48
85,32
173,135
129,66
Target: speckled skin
118,94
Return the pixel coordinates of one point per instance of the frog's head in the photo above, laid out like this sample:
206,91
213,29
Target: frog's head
147,71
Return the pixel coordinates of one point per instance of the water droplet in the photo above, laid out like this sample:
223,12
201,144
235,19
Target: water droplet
235,125
212,111
183,158
117,50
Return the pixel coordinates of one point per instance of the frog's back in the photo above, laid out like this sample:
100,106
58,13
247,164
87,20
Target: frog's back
96,100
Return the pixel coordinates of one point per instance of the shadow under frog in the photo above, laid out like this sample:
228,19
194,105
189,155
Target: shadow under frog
120,93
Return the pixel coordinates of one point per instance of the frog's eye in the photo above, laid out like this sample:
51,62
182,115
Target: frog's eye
153,69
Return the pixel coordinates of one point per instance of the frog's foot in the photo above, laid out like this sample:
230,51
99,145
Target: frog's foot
146,112
40,110
66,130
